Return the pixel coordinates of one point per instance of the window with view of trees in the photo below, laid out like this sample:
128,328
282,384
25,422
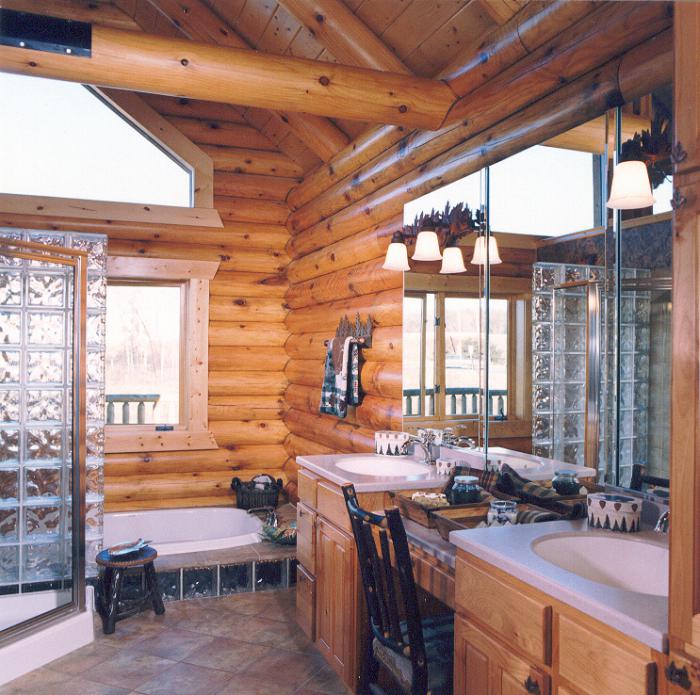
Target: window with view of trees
442,369
144,353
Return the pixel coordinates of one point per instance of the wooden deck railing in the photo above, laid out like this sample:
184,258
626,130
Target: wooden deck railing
127,399
461,400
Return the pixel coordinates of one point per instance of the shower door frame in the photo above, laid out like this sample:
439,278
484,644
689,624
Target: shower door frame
593,376
76,260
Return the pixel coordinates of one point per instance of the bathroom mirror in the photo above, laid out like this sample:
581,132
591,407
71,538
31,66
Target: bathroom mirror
600,303
562,349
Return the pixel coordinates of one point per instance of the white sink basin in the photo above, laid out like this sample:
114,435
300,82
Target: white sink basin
617,561
383,466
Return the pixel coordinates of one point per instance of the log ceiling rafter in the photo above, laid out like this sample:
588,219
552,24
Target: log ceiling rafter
178,67
107,14
200,23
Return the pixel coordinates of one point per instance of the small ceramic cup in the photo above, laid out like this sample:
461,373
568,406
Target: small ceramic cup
614,512
390,443
444,467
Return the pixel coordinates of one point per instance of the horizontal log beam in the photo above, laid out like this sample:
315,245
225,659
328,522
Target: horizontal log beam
385,308
247,309
178,67
245,284
246,161
331,432
386,345
247,359
246,383
226,334
249,432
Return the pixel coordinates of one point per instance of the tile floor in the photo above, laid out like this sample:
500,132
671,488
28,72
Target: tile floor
245,644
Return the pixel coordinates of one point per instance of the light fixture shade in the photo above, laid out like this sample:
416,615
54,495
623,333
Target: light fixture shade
427,247
479,257
452,261
630,188
396,257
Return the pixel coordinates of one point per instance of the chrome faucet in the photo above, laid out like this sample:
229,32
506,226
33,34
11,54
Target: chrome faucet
466,441
424,441
663,523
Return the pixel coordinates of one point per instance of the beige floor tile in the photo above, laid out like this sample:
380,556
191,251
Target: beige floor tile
173,643
256,685
130,669
326,681
186,679
227,654
283,667
84,659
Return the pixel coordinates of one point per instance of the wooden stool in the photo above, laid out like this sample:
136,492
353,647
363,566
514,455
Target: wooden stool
111,579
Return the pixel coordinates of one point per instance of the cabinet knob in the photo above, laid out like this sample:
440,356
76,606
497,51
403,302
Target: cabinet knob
678,676
532,686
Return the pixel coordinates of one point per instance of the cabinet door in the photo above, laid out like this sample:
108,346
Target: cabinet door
336,598
484,666
306,537
306,602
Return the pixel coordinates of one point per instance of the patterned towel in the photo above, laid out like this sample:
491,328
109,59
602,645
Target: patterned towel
512,483
341,377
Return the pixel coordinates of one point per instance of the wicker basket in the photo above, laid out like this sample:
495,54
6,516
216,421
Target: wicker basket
261,491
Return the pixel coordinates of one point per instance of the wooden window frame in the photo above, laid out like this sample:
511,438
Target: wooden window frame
193,431
132,108
518,293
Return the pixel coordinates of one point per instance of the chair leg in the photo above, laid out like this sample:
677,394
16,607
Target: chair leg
369,670
112,591
152,588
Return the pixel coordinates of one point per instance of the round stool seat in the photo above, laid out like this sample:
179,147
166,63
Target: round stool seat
142,557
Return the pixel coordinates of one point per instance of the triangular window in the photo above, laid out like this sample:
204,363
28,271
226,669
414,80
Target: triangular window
62,139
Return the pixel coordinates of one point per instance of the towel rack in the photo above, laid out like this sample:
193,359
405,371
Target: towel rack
361,331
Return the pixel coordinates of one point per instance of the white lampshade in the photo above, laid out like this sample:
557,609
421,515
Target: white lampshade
427,247
396,257
630,188
452,261
479,257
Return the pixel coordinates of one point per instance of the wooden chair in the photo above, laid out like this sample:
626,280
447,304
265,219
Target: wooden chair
640,478
416,653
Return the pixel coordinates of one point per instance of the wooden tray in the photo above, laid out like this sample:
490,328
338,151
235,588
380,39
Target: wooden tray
424,515
452,519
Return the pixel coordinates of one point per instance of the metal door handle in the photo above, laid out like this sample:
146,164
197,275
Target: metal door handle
532,686
678,676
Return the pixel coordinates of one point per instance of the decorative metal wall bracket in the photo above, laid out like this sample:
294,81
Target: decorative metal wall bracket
678,200
678,154
360,330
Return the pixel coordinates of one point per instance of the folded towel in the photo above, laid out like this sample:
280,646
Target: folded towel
534,516
512,483
341,377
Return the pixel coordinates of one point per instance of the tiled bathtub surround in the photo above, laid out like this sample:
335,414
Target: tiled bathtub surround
256,567
35,426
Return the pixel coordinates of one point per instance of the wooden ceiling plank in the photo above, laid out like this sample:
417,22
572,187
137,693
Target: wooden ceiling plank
463,30
198,22
305,45
419,20
344,34
92,11
501,11
253,20
379,15
279,33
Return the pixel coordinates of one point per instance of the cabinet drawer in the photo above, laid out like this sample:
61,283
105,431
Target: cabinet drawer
597,664
331,505
484,665
306,602
306,487
306,537
518,619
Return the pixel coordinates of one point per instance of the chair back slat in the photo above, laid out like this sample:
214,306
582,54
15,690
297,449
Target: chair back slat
383,595
394,616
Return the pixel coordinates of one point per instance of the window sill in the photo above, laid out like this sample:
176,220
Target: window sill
122,440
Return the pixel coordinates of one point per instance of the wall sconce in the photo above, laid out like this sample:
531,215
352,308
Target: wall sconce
631,188
396,254
479,257
427,244
452,259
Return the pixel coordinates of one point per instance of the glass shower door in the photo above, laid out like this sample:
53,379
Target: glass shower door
42,433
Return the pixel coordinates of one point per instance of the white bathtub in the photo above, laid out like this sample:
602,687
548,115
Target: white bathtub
173,531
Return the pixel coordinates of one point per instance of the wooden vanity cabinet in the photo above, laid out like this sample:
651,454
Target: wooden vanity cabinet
513,639
330,606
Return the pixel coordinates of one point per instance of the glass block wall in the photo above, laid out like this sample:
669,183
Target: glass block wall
35,416
559,361
635,347
559,355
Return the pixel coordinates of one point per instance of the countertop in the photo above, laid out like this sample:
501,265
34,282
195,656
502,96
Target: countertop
326,465
643,617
